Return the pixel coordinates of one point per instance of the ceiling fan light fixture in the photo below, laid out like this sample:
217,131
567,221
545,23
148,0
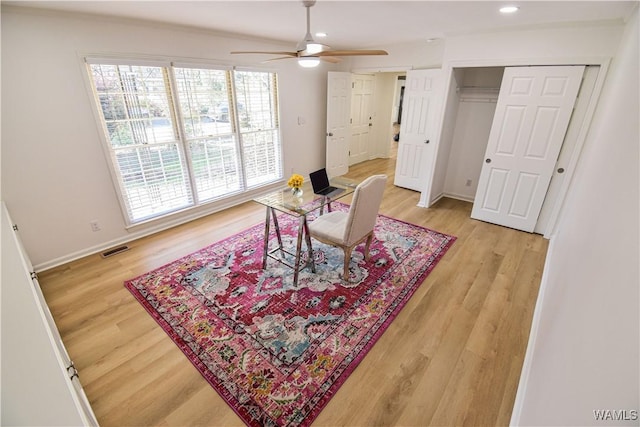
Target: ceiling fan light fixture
313,47
307,62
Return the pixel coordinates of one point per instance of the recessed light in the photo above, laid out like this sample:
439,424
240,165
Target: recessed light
509,9
320,34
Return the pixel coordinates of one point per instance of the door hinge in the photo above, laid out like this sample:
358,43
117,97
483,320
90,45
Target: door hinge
15,227
72,371
34,275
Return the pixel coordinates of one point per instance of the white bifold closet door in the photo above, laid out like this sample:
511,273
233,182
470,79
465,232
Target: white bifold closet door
532,114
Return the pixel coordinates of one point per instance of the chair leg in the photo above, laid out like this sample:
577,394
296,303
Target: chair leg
367,246
347,261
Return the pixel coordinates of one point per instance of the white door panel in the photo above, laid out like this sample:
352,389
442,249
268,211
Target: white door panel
362,90
498,179
406,167
532,114
416,148
338,127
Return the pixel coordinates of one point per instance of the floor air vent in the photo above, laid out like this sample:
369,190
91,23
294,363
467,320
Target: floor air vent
114,251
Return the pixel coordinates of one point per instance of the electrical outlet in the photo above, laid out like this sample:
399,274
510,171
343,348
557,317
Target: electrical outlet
468,183
95,226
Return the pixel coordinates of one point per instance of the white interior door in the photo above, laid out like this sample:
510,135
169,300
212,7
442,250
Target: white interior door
532,114
416,148
362,88
338,126
38,386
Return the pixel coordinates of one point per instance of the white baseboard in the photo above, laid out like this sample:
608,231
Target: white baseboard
422,203
437,199
462,197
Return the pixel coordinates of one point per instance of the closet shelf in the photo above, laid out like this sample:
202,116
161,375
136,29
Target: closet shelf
478,94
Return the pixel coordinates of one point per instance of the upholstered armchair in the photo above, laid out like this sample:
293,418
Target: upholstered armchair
346,230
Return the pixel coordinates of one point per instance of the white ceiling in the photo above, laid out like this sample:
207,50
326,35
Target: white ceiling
350,24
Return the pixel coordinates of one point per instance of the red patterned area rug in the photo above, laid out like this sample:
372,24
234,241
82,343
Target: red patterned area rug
277,353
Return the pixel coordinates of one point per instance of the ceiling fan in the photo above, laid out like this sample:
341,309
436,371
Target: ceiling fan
309,52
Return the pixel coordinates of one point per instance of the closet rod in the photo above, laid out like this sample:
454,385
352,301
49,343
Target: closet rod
478,89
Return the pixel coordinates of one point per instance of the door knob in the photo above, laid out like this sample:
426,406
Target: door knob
560,170
488,161
329,133
426,141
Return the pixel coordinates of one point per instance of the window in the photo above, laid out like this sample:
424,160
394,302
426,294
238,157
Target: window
179,137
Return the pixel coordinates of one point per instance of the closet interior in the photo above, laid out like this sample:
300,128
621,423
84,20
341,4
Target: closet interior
472,104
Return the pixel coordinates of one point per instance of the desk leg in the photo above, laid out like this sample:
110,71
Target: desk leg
277,227
310,249
265,250
296,269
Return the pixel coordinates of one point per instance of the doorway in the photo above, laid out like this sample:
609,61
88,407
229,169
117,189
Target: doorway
532,115
476,95
472,97
397,107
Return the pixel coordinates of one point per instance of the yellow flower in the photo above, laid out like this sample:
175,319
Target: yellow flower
295,181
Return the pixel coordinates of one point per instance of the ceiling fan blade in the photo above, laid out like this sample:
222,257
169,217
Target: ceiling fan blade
291,54
317,48
331,59
279,58
352,52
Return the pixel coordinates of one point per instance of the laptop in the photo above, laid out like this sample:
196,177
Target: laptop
320,184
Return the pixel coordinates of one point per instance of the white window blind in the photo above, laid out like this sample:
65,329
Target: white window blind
180,137
259,128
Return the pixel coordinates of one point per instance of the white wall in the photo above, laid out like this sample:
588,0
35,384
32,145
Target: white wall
583,351
529,46
408,56
470,138
54,174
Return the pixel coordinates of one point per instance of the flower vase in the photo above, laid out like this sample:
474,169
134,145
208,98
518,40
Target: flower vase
297,191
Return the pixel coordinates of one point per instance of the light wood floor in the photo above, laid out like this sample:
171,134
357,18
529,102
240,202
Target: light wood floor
453,356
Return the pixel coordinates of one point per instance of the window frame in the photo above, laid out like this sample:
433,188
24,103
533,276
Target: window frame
183,141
